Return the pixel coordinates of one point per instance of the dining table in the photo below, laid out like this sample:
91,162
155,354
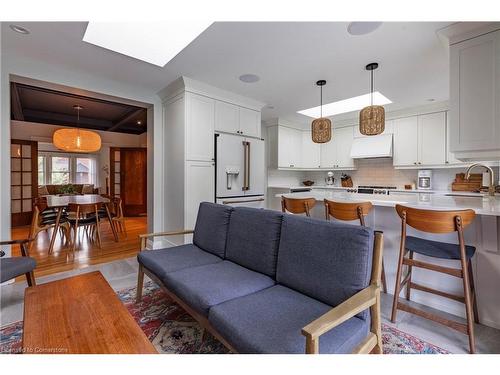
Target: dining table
59,202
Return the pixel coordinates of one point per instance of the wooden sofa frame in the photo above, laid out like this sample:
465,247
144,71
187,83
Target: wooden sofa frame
364,299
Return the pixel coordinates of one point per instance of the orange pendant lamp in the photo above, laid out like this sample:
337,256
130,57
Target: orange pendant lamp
372,118
76,139
321,128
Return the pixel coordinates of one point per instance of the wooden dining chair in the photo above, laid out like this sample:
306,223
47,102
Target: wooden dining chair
438,222
117,216
86,216
297,205
348,212
43,219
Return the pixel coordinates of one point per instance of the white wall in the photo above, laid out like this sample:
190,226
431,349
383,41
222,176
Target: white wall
42,133
59,74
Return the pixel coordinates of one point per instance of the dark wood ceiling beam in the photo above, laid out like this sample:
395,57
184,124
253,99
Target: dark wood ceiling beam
70,120
127,118
17,108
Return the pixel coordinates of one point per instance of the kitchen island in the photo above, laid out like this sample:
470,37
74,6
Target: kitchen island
483,233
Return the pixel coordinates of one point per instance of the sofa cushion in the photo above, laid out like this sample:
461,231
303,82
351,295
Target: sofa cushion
210,231
206,286
15,266
253,239
270,321
162,261
325,260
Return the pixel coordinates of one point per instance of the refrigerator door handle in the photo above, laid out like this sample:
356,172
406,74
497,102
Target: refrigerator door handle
243,201
246,166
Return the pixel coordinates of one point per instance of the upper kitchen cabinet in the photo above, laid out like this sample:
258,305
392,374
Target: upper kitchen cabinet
200,121
336,154
432,138
310,151
249,122
405,141
289,146
230,118
475,97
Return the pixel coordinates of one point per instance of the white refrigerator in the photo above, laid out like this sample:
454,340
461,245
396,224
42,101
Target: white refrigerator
240,170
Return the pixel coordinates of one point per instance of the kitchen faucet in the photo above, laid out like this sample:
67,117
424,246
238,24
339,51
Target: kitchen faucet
491,188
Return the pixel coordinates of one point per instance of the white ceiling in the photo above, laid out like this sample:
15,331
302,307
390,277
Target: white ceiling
289,57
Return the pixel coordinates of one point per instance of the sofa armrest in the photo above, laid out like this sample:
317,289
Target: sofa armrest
144,237
22,243
339,314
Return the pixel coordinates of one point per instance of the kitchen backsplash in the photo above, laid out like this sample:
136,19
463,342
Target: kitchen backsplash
370,172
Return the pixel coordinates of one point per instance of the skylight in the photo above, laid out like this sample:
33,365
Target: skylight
153,42
347,105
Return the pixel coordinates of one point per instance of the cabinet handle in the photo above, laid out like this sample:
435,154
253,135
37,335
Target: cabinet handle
447,162
415,163
419,163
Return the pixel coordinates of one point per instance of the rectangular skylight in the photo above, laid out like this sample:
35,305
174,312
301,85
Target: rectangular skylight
154,42
347,105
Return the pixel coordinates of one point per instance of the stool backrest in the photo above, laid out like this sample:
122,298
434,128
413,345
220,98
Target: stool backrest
347,211
432,221
297,205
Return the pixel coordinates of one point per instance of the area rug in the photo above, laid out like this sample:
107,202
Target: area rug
173,331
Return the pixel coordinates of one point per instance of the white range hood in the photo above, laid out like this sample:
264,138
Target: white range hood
376,146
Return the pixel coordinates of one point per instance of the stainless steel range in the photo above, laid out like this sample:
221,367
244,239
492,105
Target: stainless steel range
384,190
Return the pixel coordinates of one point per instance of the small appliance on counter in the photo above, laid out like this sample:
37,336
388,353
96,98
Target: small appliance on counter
424,179
329,180
308,183
346,180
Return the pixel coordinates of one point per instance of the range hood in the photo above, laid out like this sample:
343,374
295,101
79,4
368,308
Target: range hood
377,146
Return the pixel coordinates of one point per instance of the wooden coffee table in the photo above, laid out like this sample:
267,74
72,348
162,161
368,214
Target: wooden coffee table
80,314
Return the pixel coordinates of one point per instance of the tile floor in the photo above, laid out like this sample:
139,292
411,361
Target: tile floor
123,274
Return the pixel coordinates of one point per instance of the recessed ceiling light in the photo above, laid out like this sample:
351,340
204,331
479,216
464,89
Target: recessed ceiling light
269,106
362,28
19,29
249,78
153,42
346,105
139,122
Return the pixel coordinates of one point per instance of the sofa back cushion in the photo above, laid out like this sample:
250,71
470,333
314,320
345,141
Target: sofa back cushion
253,239
210,231
325,260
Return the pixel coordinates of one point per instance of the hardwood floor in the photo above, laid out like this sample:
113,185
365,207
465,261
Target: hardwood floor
87,253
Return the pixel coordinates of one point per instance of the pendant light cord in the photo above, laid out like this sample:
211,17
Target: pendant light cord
371,89
321,102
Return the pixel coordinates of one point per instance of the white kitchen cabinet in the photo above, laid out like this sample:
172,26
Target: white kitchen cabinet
249,122
405,150
230,118
227,117
199,187
310,152
432,139
450,156
200,125
289,147
475,97
345,137
336,154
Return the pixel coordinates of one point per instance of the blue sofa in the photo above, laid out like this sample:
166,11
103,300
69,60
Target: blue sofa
266,282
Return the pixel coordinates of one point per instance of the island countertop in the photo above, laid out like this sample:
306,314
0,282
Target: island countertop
489,206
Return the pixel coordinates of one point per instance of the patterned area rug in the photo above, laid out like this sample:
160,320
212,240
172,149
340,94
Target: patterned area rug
173,331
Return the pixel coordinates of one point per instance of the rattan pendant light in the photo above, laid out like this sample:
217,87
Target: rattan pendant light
76,139
321,128
372,118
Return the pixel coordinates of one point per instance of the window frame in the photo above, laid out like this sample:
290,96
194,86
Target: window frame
47,166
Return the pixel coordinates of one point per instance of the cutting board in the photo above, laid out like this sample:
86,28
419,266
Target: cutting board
474,183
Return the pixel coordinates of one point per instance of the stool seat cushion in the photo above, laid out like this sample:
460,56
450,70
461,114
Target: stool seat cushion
437,249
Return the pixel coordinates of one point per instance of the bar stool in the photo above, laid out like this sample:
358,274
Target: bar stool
348,212
297,205
437,222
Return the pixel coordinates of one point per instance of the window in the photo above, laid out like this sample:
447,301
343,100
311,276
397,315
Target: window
59,168
41,170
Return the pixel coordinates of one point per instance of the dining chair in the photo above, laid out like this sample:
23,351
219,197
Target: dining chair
44,218
437,222
85,215
297,205
345,211
117,215
11,267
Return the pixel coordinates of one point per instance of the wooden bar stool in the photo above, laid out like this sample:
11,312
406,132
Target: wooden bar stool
297,205
437,222
351,211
